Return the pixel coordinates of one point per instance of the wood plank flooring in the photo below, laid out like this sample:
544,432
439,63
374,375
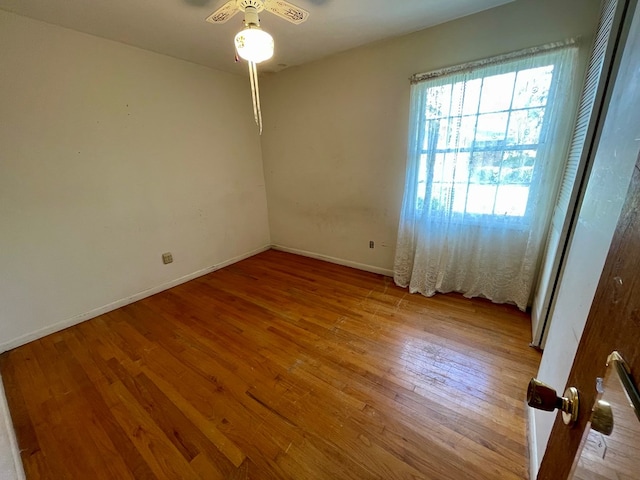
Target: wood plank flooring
278,367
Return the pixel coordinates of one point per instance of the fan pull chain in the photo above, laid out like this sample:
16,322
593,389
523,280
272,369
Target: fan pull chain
255,94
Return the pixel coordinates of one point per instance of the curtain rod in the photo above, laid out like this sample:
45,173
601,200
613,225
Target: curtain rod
549,47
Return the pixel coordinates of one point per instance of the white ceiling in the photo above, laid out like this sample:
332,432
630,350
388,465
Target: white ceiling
178,28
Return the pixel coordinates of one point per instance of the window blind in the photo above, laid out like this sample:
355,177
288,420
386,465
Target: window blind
585,108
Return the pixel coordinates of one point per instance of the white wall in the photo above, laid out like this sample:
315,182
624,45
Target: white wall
334,142
110,156
602,203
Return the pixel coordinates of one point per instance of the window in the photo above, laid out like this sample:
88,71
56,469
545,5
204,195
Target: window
480,140
487,146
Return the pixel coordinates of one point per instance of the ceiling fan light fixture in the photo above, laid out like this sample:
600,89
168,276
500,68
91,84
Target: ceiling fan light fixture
254,44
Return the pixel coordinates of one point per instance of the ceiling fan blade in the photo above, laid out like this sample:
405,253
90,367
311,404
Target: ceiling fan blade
224,13
286,10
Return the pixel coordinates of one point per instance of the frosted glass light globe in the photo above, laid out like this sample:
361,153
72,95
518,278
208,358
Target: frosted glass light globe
254,44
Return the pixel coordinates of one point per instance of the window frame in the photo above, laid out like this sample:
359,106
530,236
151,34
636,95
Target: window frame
482,71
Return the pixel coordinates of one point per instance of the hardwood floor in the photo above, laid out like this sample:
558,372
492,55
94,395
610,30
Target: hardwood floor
278,367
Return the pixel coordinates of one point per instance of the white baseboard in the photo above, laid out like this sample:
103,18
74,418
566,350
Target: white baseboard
56,327
533,444
339,261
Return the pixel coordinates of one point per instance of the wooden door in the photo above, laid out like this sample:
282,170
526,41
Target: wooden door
614,319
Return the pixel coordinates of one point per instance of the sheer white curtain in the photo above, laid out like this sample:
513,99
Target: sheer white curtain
487,145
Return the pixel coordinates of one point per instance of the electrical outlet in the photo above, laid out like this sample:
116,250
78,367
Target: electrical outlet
371,244
167,258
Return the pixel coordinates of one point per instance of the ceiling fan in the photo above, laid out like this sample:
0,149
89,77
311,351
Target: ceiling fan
280,8
252,43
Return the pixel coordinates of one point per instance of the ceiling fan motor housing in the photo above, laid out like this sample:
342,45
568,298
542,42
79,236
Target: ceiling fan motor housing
257,4
251,9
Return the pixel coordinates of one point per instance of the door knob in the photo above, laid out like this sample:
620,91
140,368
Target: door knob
543,397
